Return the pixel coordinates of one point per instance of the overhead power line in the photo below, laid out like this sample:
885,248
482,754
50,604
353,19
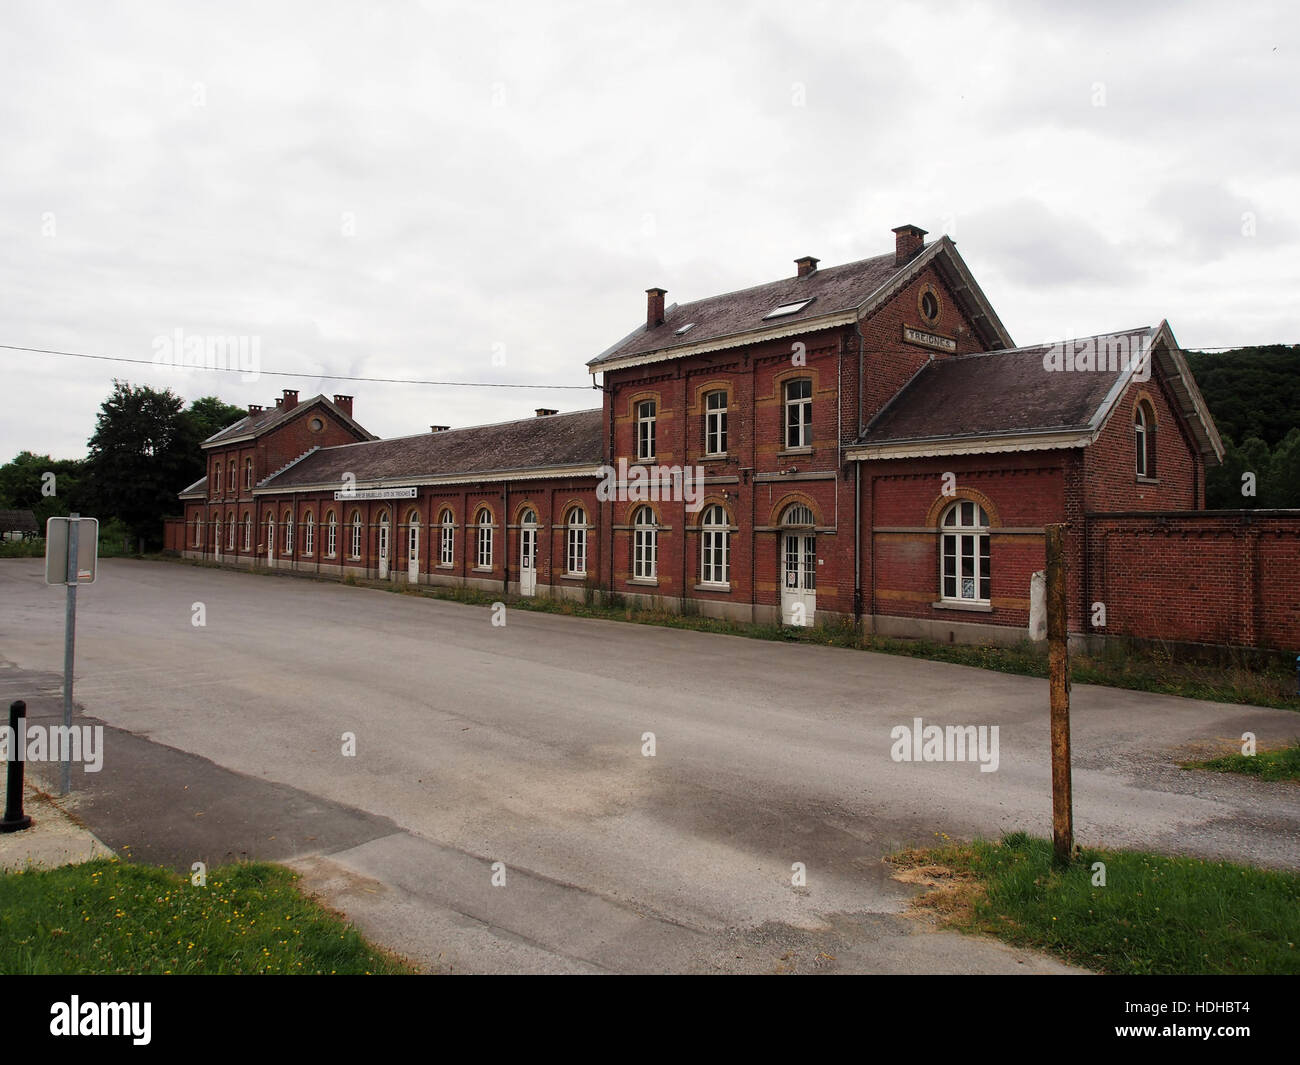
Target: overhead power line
287,373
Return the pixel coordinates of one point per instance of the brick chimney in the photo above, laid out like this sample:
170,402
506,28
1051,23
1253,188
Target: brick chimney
439,428
255,408
544,412
908,241
344,403
290,398
654,307
806,265
279,402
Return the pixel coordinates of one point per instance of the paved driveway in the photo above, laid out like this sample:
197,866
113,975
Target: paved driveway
523,744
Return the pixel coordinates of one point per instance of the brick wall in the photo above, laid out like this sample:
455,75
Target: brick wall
1214,577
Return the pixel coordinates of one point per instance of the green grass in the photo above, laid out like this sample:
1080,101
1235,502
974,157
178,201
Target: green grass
1156,915
108,916
1282,763
1151,670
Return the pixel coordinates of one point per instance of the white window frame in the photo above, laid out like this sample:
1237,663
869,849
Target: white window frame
198,532
248,530
248,473
964,541
645,545
216,489
797,429
646,411
483,539
356,535
575,543
308,534
715,546
331,534
447,539
288,535
715,423
230,532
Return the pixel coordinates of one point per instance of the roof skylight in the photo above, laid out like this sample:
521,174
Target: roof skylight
787,308
685,329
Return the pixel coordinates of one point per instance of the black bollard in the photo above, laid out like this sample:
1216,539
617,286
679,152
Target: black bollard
15,820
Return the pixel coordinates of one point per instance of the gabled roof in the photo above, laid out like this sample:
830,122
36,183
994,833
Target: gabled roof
528,447
18,521
251,426
199,488
838,294
1011,401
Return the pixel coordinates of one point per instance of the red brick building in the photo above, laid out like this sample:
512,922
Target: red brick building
853,443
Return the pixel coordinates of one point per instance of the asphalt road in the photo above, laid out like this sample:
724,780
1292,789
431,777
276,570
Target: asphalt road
523,745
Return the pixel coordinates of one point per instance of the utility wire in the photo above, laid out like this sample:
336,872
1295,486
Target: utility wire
449,384
287,373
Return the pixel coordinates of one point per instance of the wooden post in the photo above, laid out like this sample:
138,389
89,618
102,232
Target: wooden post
1059,681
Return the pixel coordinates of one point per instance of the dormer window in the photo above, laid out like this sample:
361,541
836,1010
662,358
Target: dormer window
787,308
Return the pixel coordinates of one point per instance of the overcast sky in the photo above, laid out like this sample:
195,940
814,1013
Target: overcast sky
431,190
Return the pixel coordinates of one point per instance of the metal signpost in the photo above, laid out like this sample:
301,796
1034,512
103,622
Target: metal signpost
71,558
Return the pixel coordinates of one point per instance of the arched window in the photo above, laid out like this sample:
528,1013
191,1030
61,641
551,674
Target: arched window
1144,440
965,553
356,534
331,534
447,539
288,532
230,481
216,533
798,514
483,533
270,532
575,543
248,473
198,532
216,484
308,533
230,530
413,536
715,546
248,530
645,545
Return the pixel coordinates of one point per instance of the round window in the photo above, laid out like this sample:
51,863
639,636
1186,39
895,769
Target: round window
316,425
930,306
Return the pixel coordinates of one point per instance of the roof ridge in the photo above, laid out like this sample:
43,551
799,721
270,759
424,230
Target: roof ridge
465,428
820,271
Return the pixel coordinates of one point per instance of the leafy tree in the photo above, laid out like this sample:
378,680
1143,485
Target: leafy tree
23,485
1283,489
144,450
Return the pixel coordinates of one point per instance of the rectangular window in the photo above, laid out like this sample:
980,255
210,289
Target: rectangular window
288,537
715,557
485,547
798,414
331,537
447,544
715,423
308,537
646,553
356,538
576,551
645,430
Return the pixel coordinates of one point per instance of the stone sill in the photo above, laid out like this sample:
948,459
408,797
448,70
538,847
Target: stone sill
975,608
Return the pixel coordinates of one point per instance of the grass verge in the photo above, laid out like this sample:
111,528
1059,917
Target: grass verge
108,916
1155,914
1281,763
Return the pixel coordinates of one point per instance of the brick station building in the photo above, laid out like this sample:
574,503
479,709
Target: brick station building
874,448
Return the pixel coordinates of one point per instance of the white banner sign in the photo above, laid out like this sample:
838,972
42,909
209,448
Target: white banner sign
376,493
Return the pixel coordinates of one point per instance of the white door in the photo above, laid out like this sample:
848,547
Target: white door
383,548
798,578
528,554
413,550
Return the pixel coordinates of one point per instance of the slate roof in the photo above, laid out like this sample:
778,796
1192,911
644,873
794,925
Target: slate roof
835,288
555,440
198,488
18,521
1000,393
